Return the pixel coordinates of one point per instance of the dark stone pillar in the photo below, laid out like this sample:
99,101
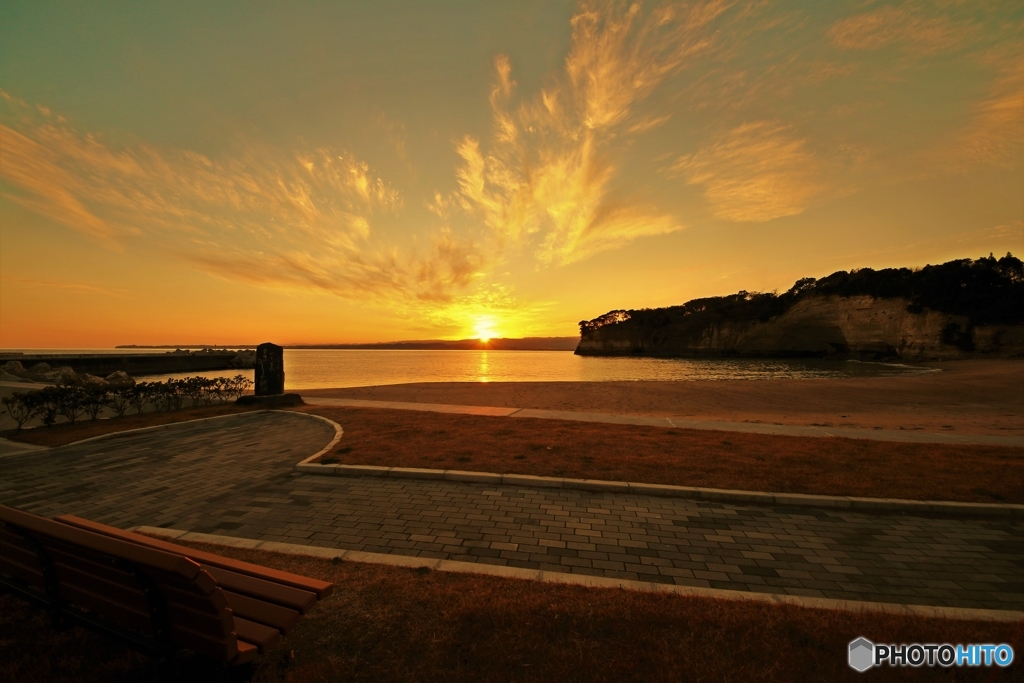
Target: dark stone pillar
269,370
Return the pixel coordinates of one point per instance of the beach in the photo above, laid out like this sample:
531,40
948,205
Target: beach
969,396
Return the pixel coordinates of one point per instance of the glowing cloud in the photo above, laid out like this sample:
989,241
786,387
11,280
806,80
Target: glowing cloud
302,220
545,179
995,133
900,26
756,172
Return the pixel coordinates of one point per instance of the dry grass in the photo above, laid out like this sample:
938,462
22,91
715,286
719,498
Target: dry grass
730,460
65,433
394,624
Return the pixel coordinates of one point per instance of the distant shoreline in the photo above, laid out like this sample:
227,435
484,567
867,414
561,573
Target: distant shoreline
967,397
500,344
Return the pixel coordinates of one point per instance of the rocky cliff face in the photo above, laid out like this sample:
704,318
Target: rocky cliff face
862,327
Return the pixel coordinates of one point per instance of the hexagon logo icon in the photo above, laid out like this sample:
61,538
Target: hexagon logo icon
862,654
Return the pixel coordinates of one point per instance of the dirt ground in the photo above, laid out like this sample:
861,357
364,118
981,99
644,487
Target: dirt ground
395,624
973,397
684,457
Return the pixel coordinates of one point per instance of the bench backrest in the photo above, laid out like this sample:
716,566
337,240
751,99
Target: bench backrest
207,560
160,594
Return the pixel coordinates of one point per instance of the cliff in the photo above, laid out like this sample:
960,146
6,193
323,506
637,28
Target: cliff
960,309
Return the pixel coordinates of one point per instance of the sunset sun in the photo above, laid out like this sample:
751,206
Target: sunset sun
484,329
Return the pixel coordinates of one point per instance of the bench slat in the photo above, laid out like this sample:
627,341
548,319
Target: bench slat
216,624
10,537
263,637
139,555
173,590
125,615
125,593
224,650
85,560
321,588
263,590
189,629
281,618
215,603
246,653
29,575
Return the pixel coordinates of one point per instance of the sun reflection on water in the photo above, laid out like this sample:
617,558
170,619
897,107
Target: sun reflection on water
485,368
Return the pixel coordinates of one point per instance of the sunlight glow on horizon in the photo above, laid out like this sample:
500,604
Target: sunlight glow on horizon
484,329
332,174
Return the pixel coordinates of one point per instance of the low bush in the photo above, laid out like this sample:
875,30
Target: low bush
72,402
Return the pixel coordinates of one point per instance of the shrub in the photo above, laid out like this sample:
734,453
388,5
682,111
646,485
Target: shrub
240,385
49,403
140,395
95,400
73,401
70,402
20,407
121,398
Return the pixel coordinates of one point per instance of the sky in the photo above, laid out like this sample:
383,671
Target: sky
316,172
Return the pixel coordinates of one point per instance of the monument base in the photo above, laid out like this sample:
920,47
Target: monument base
272,401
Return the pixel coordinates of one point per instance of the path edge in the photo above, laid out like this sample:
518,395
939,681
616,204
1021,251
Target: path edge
852,503
338,432
459,567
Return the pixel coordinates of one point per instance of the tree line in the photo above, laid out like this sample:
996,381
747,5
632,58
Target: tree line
988,291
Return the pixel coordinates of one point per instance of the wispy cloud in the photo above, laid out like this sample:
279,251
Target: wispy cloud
62,285
544,183
906,27
994,133
755,172
303,219
545,179
35,169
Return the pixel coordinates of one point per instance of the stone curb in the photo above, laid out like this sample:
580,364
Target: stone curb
667,490
128,432
455,566
338,431
10,449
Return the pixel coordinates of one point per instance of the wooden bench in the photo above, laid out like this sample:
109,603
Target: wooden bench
151,595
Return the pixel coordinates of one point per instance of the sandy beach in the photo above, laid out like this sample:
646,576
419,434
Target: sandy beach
973,396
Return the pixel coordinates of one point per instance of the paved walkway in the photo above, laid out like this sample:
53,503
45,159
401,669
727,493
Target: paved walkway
8,447
910,436
234,476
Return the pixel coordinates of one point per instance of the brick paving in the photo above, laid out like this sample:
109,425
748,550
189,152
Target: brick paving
234,477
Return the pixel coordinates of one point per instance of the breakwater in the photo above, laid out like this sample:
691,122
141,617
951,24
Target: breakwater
135,364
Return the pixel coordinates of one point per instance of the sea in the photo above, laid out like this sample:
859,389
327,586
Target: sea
327,368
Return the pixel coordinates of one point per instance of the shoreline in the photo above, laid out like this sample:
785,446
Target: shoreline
968,396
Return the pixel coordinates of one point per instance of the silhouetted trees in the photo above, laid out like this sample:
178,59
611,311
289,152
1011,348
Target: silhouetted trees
988,291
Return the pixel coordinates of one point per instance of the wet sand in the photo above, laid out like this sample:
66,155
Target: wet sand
972,396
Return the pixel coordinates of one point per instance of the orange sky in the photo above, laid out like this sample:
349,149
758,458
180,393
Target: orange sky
351,173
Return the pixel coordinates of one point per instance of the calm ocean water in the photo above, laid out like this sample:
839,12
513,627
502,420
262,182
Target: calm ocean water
315,368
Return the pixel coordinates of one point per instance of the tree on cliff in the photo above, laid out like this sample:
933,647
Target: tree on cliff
988,291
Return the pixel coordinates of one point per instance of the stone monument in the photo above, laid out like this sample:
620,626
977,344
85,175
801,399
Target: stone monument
269,369
269,391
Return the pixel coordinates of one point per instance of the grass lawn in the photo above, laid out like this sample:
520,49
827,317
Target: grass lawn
395,624
686,457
